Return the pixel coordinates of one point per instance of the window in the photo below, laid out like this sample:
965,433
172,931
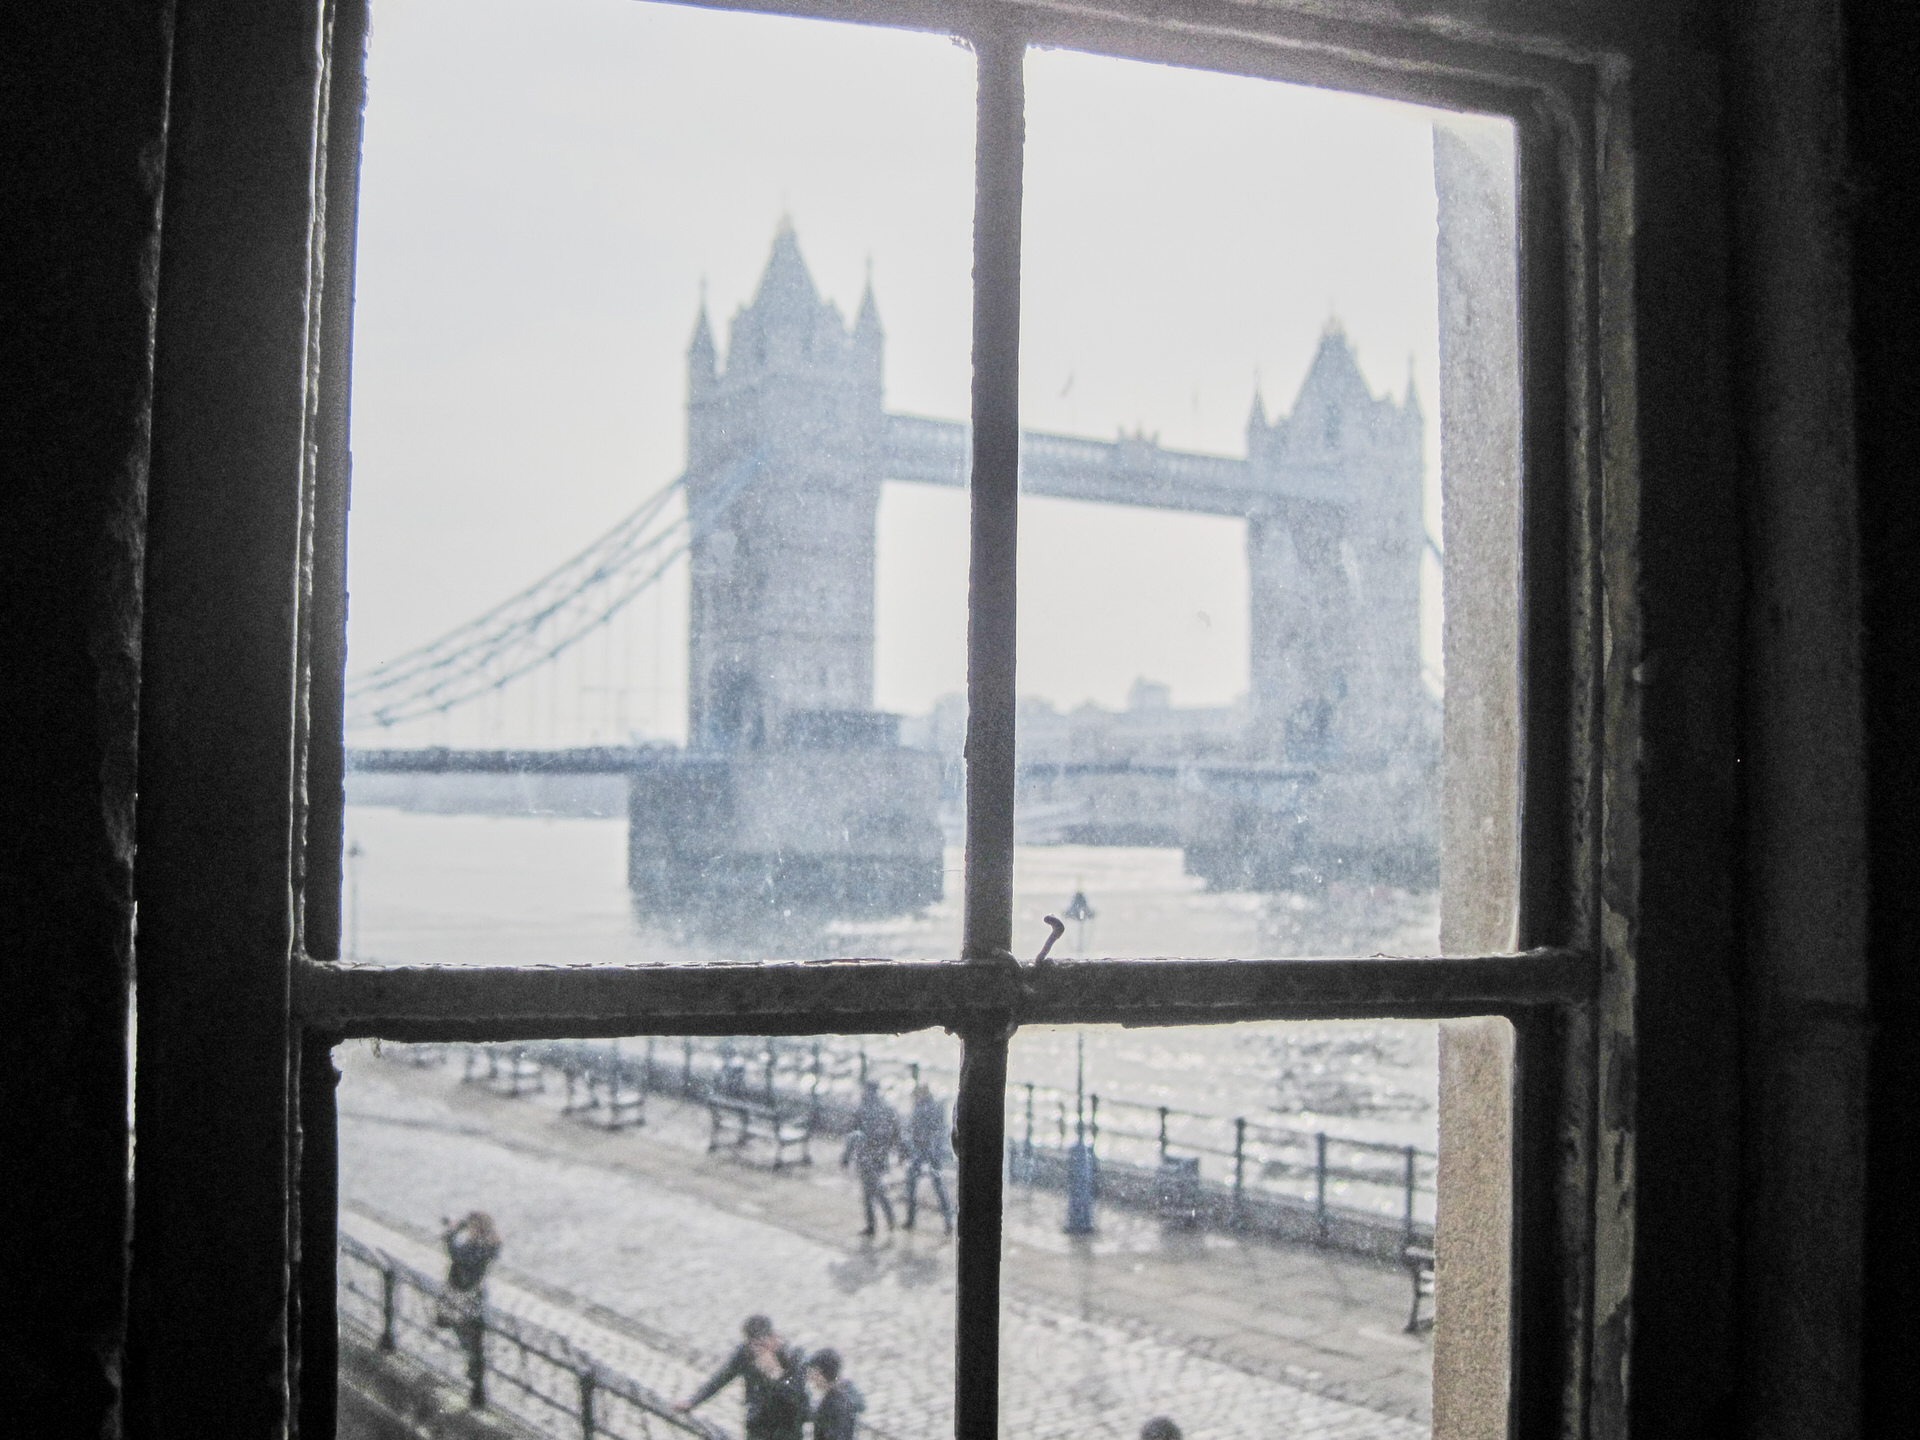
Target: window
246,798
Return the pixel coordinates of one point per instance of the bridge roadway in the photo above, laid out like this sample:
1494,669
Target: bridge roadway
647,1252
1131,470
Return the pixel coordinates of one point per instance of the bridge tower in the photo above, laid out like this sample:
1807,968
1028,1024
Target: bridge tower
1334,567
1334,549
794,795
782,631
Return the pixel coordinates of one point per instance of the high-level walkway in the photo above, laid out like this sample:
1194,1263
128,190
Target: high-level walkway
647,1252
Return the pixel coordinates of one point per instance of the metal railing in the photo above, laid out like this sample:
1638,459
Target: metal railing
1238,1172
1364,1194
501,1361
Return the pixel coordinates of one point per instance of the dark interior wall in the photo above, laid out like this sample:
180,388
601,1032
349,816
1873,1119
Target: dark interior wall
1884,125
1670,874
82,109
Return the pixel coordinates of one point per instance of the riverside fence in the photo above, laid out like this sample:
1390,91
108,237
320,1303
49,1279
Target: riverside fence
1241,1173
501,1362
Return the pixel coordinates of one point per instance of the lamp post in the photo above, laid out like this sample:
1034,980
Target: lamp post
1080,1157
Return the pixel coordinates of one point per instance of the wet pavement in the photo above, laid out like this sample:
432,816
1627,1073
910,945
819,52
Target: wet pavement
647,1252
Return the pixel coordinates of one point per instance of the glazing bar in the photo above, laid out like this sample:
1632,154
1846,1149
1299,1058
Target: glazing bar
996,495
472,1002
981,1133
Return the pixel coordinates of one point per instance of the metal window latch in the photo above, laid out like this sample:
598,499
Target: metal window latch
1058,927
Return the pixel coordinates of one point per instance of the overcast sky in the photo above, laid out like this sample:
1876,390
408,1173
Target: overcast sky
548,185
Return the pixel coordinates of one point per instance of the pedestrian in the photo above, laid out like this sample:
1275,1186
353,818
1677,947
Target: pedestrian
472,1246
837,1402
928,1146
1160,1428
777,1404
876,1135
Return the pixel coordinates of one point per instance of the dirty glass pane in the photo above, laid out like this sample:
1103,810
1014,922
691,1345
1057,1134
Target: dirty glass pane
639,1202
657,561
1235,396
1230,1228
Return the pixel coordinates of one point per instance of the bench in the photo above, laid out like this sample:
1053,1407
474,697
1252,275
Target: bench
1419,1262
1176,1192
750,1120
508,1068
587,1076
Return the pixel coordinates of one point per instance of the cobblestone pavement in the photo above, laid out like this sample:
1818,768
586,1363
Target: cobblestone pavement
647,1252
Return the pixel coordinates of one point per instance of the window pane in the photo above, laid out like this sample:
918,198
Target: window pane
1231,660
641,1200
646,533
1222,1226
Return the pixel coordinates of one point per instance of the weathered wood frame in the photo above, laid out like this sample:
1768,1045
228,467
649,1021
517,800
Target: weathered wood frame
241,765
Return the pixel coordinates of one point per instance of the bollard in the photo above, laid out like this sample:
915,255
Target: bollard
1093,1141
650,1084
1239,1170
473,1338
1411,1152
1029,1155
386,1307
686,1067
1320,1183
586,1405
813,1094
1163,1134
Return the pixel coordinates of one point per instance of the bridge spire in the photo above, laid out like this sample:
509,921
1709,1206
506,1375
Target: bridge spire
868,335
702,363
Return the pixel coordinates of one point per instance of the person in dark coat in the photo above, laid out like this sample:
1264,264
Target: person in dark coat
876,1135
777,1405
472,1246
837,1402
928,1147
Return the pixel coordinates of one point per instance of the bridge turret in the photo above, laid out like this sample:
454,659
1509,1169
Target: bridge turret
1334,566
869,341
789,441
702,365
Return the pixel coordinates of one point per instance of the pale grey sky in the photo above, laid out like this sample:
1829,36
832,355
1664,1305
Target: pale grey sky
548,186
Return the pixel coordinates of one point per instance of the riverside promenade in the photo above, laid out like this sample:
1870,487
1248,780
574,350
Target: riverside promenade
646,1252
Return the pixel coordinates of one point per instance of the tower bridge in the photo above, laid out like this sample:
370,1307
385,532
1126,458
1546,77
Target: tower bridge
794,790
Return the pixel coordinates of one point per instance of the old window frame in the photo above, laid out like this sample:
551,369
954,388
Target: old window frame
242,759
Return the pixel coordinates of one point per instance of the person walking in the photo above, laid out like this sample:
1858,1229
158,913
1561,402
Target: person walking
929,1145
472,1246
876,1135
837,1402
777,1405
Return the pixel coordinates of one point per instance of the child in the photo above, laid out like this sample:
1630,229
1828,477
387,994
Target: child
836,1403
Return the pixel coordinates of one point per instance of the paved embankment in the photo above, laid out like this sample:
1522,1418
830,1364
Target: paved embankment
647,1252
